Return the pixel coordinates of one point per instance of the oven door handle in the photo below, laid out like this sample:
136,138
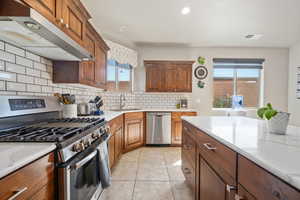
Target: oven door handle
85,160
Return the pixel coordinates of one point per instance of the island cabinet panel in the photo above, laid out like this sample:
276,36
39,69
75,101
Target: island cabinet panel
34,181
115,143
263,185
177,126
134,131
168,76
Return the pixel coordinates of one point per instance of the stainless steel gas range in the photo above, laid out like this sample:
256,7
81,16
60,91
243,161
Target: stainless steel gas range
37,119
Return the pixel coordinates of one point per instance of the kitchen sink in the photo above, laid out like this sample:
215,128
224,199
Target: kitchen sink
125,109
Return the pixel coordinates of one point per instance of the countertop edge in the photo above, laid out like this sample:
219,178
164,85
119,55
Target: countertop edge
26,161
285,177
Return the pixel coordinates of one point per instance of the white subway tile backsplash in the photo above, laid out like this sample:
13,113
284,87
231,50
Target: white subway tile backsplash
7,56
46,61
10,67
24,78
24,61
40,81
47,89
33,88
7,76
12,86
2,85
46,75
8,93
1,65
1,45
14,50
32,56
40,66
33,72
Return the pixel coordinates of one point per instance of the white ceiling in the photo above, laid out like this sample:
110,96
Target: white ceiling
210,23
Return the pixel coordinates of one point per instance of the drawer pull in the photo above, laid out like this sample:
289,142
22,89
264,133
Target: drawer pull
238,197
187,147
17,193
229,188
209,147
185,128
187,171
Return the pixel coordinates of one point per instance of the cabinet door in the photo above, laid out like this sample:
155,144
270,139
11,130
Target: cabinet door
100,66
211,186
111,150
176,131
134,133
74,21
184,79
87,72
51,9
170,75
154,77
118,143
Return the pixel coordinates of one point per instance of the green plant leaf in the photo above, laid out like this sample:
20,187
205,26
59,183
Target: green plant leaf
261,112
269,105
270,113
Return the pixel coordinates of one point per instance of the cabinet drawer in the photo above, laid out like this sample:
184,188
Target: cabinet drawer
262,184
189,148
30,179
188,171
220,157
134,115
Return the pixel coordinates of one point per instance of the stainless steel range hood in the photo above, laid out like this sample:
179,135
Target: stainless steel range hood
37,34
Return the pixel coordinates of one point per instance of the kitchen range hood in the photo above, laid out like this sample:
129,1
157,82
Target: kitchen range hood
37,34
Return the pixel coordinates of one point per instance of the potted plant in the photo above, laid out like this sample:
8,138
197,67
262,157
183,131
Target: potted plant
277,121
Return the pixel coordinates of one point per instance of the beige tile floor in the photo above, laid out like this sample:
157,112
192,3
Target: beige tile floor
149,173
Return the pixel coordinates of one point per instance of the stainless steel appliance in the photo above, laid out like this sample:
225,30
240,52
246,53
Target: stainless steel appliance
158,128
34,32
183,103
36,119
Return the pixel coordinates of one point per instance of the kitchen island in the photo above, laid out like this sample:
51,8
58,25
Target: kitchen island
239,155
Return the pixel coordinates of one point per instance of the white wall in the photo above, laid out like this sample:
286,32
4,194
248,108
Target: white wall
275,71
293,102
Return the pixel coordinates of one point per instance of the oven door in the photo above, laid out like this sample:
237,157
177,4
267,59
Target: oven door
80,178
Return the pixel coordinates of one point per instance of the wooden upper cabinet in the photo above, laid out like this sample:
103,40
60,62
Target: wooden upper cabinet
168,76
51,9
100,65
154,79
74,20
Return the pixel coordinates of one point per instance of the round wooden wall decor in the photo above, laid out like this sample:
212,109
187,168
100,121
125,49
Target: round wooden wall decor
201,72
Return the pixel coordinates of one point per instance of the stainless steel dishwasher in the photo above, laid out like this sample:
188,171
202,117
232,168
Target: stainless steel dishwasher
158,128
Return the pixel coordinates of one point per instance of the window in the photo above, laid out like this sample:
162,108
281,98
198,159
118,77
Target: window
237,82
119,76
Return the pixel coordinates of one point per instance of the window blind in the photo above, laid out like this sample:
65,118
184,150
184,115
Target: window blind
239,63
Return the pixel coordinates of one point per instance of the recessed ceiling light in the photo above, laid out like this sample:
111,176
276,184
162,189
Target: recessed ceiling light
186,10
253,36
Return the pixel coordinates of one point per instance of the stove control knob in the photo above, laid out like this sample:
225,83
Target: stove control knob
79,147
87,142
101,130
95,135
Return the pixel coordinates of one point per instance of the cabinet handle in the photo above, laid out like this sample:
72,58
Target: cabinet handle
60,21
229,188
67,26
276,194
17,193
187,171
238,197
209,147
185,128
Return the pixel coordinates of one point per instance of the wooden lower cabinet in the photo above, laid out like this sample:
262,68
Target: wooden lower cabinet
177,126
223,174
134,131
37,180
115,143
211,186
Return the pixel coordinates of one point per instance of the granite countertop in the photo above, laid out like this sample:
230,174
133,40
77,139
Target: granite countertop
278,154
16,155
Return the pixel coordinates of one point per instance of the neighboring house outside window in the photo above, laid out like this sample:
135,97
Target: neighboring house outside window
237,83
